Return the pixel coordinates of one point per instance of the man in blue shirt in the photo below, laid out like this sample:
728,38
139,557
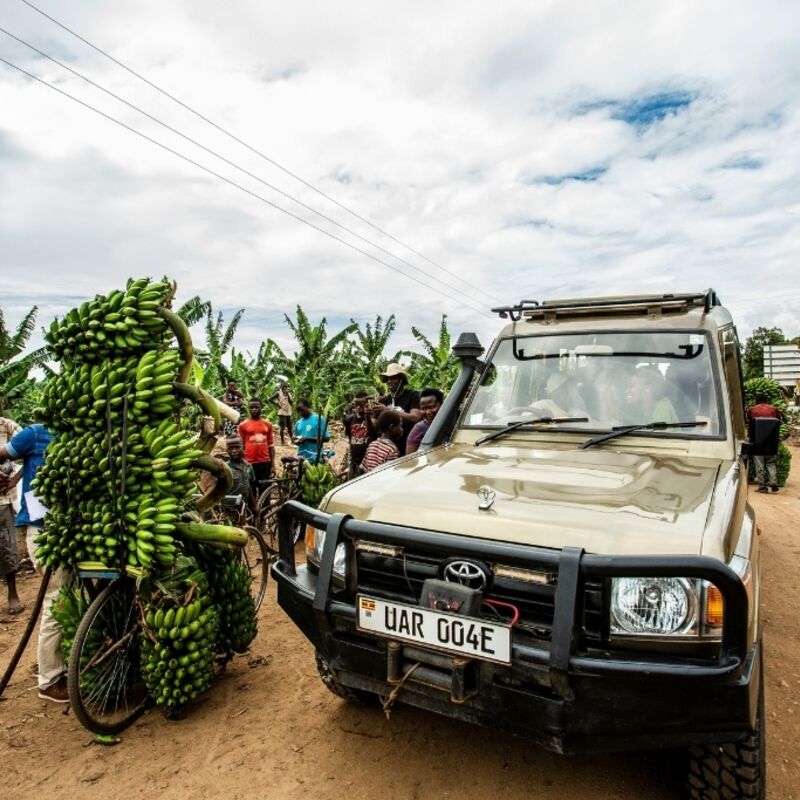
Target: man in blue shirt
29,446
310,431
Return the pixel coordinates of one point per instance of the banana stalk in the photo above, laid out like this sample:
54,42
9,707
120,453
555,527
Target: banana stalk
209,406
221,471
181,332
207,533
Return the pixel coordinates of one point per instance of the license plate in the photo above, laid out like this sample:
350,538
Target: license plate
449,632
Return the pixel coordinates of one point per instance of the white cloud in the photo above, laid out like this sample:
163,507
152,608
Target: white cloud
535,150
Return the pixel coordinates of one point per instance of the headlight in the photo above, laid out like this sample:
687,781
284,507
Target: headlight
315,544
653,606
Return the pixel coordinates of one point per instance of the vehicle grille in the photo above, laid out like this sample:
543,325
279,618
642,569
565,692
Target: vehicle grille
401,578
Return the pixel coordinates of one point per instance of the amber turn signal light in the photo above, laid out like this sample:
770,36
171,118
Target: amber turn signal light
715,606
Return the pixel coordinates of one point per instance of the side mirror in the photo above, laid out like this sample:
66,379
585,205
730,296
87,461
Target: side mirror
764,433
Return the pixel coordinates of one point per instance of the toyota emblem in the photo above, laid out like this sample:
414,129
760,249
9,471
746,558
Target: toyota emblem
486,497
466,573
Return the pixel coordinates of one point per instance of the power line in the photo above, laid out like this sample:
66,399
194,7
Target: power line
231,163
237,185
256,151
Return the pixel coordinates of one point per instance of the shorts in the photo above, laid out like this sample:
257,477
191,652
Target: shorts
285,422
262,471
9,554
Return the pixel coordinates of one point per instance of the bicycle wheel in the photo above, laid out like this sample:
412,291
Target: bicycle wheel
270,527
256,556
268,498
266,515
106,689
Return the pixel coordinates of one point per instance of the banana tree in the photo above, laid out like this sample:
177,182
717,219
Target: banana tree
193,310
369,352
435,366
317,370
17,389
208,371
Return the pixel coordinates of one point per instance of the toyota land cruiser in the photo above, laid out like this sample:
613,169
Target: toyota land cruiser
570,555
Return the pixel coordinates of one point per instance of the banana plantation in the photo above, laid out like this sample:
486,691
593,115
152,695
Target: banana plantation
325,366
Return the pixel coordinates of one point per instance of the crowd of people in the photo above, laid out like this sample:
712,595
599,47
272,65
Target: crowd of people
378,429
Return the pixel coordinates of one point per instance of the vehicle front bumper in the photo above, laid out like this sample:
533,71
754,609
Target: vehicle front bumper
568,701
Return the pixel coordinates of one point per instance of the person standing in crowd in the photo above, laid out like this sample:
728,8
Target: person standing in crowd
235,399
310,431
259,442
400,399
9,554
244,478
29,445
283,399
430,401
384,448
766,466
355,427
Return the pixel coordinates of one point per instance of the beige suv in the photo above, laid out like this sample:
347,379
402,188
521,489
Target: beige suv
570,555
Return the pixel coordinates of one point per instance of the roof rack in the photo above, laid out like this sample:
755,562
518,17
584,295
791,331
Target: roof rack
515,312
593,306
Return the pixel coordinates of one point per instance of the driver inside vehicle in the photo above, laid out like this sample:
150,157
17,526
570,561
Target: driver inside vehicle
563,398
647,398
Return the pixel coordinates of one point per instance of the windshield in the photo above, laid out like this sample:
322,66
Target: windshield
631,378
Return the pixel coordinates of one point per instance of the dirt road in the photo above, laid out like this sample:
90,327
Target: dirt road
270,729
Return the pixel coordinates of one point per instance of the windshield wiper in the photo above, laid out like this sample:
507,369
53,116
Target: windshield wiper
513,426
621,430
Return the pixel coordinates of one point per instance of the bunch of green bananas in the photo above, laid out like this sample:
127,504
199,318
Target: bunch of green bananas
120,322
119,479
172,452
317,481
771,389
107,405
68,609
84,531
154,393
151,521
178,650
229,583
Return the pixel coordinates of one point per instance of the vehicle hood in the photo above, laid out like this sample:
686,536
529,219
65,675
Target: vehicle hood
603,500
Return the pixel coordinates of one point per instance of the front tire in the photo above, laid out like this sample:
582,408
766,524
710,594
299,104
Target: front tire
733,770
106,689
358,697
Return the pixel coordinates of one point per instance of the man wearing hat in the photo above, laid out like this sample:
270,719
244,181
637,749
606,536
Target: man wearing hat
400,398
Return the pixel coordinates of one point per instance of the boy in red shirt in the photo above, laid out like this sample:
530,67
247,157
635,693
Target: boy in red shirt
259,442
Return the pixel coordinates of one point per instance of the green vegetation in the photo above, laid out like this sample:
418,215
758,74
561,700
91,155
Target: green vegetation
753,355
19,393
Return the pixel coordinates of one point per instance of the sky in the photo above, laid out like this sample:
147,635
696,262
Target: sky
522,150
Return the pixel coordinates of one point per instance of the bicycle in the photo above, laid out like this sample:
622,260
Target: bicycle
275,493
255,554
106,688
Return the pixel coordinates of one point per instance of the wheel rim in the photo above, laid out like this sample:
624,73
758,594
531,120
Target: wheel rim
106,687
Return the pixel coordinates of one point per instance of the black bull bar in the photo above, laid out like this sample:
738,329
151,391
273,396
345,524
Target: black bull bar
572,565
